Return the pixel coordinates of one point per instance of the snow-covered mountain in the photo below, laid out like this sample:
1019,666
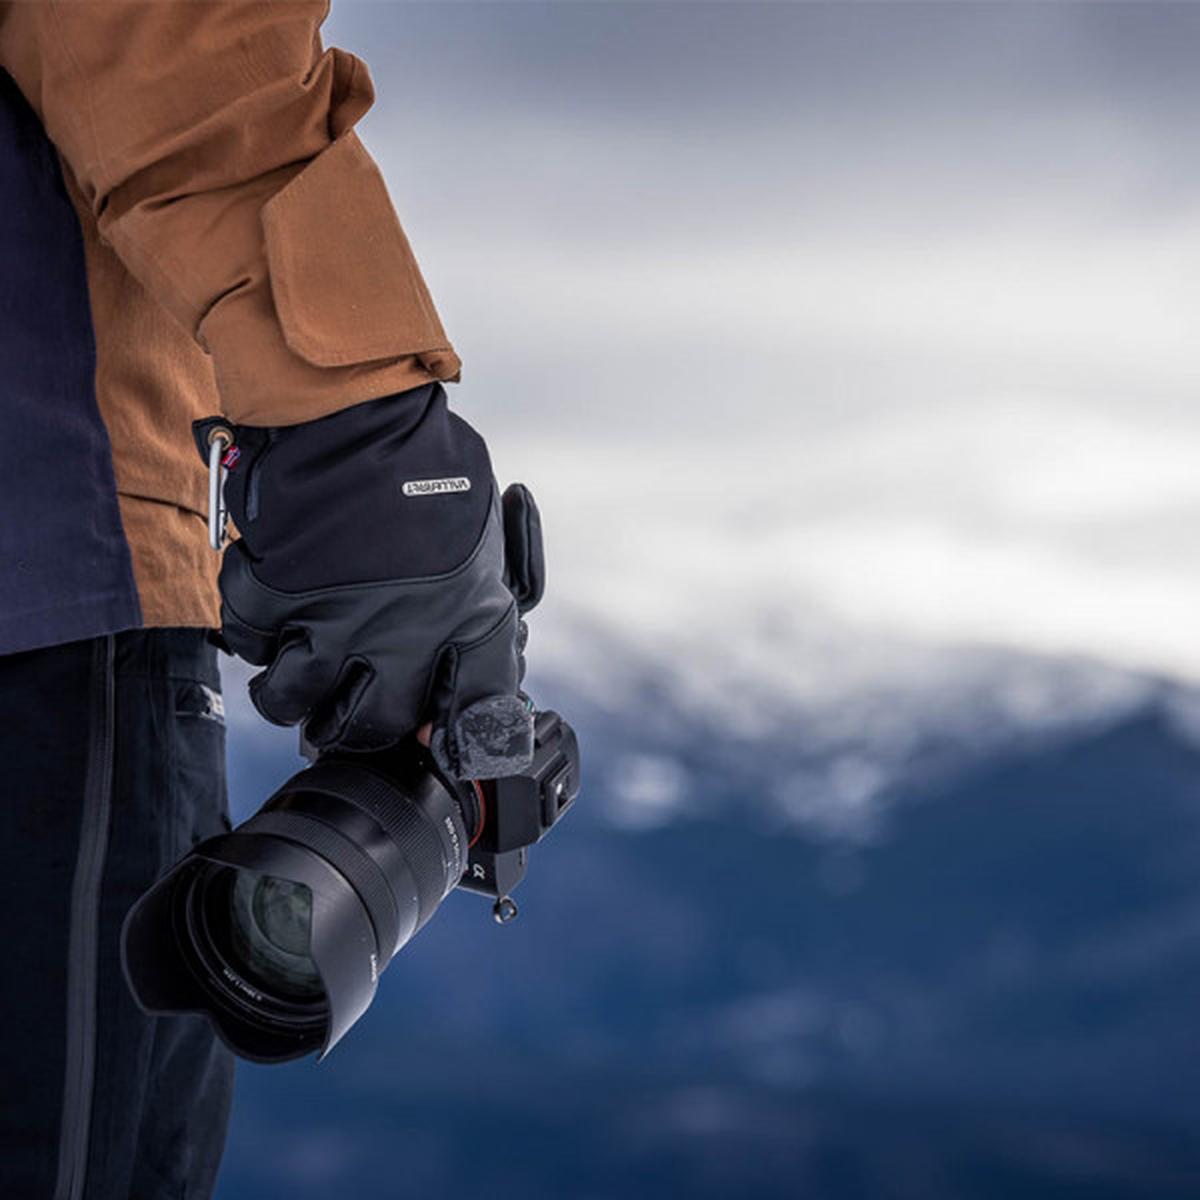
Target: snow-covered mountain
877,921
817,728
796,723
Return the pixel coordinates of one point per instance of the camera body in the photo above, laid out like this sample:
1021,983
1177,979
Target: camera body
278,931
517,812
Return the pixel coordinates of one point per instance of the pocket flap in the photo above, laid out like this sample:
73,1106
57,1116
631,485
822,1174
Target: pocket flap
345,283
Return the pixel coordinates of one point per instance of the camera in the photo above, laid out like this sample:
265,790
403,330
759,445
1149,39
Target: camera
278,931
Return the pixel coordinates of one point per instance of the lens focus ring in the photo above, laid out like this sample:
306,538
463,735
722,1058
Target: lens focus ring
422,821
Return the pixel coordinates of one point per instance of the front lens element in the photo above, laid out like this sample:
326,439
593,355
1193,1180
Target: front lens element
243,936
271,924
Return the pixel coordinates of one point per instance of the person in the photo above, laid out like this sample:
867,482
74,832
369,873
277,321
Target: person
196,250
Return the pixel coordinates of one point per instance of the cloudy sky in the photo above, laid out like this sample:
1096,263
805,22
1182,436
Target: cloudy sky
876,317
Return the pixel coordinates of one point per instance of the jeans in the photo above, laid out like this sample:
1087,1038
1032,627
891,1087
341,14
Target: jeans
112,766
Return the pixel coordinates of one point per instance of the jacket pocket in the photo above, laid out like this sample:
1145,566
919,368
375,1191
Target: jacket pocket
346,285
199,792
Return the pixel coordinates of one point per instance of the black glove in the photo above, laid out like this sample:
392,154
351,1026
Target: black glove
380,579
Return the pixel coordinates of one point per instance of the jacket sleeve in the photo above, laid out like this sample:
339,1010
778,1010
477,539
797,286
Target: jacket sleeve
214,142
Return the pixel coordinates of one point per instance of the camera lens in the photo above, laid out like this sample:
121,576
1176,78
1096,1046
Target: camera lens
272,932
280,930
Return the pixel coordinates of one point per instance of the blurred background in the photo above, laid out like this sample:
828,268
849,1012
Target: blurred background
850,350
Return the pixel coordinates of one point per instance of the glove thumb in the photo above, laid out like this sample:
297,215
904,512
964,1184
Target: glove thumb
524,555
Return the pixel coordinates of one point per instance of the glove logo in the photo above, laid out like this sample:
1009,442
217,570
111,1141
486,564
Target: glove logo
435,487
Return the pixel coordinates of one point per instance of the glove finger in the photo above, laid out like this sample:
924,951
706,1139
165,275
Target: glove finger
524,553
522,642
362,712
254,646
248,633
483,729
294,683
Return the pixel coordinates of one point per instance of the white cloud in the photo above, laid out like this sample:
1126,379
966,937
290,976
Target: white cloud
904,341
1038,526
648,790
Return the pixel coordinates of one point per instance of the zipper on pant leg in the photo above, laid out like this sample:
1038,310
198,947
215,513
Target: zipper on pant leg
94,821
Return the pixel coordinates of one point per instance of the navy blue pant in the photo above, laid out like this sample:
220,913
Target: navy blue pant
112,766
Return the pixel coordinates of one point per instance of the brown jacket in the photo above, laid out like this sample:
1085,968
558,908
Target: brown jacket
242,252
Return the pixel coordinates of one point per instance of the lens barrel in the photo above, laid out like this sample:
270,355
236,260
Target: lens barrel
279,930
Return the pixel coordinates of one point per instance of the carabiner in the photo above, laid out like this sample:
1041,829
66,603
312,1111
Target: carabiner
219,440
